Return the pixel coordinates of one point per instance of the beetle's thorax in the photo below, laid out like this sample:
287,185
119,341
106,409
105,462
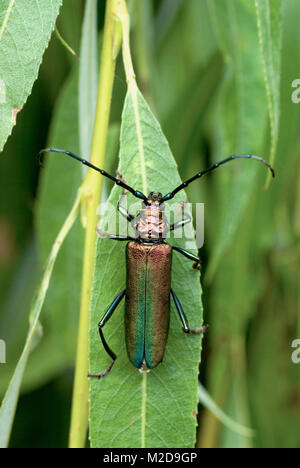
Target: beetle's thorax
151,224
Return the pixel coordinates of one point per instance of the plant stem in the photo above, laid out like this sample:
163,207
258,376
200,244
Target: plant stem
92,189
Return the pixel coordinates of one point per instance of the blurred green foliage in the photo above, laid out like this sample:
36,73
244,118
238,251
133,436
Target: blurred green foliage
198,64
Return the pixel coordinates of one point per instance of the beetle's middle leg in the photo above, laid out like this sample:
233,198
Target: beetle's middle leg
190,256
185,324
101,324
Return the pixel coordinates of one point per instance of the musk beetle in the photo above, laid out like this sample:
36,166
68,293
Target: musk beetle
148,271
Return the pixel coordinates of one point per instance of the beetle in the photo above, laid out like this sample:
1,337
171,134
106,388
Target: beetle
148,263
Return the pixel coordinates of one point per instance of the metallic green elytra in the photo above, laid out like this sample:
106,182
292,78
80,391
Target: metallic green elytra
148,265
148,286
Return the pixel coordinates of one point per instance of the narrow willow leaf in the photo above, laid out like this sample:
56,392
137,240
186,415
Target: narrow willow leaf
190,109
9,403
191,41
233,439
206,400
21,291
54,201
127,408
165,17
242,115
269,385
88,77
269,22
60,179
25,29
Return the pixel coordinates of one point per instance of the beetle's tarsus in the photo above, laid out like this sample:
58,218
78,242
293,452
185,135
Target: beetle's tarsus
104,373
197,266
101,233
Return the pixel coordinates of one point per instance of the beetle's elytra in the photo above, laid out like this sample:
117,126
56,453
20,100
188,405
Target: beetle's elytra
148,286
148,271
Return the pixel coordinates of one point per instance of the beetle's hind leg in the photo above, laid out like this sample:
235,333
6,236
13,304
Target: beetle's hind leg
185,324
101,324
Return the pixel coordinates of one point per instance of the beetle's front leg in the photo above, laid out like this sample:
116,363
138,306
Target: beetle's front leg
190,256
121,208
182,222
101,324
185,324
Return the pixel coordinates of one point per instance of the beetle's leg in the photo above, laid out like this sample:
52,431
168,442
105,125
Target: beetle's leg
190,256
183,221
117,237
121,209
185,325
180,223
101,324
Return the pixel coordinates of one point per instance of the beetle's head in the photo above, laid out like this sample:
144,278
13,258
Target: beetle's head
154,199
155,196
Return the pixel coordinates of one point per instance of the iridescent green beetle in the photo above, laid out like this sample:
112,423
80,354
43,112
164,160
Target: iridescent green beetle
148,272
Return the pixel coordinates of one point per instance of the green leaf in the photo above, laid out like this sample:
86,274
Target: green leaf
274,388
165,17
206,400
190,41
62,304
88,78
269,22
242,116
21,291
60,172
9,403
54,201
190,108
25,30
127,408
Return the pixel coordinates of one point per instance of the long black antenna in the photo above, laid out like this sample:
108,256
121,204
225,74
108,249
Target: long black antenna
172,194
119,182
